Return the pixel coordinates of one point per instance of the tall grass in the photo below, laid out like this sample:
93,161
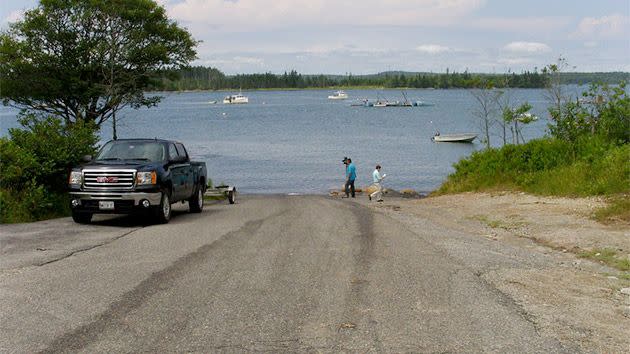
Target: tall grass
546,166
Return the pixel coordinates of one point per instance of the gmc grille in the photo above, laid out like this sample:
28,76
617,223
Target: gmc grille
108,179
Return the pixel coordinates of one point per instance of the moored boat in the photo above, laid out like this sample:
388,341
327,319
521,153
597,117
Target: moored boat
235,99
455,138
339,95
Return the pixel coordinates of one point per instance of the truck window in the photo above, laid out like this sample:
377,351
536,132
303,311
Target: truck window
172,152
181,151
132,150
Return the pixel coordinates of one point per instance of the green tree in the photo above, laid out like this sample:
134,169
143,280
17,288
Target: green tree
515,115
602,111
84,60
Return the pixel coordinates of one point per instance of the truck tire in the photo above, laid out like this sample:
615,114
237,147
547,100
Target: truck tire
81,218
163,212
195,203
232,196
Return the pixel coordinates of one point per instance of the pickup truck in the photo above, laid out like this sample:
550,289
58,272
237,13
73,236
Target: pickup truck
136,176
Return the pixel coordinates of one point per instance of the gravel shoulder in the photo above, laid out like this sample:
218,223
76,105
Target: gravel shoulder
571,299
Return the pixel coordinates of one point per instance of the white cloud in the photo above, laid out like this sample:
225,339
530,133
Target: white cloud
521,24
13,16
515,61
269,13
615,25
527,47
432,48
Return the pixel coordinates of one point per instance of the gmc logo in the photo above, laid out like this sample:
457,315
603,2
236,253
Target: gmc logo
106,179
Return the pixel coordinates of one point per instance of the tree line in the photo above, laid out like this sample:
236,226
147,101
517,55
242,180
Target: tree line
208,78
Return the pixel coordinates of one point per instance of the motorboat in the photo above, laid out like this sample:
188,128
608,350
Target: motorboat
455,138
339,95
235,99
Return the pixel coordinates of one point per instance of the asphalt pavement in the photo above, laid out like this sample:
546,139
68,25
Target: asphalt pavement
268,274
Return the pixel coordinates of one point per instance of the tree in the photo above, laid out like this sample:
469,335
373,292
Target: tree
603,110
554,87
85,60
515,115
487,99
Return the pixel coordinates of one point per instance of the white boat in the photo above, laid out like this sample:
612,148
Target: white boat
235,99
455,138
339,95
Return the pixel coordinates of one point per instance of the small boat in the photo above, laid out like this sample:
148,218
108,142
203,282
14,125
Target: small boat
212,102
455,138
339,95
235,99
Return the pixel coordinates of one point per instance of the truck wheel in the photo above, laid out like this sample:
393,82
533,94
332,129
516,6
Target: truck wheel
195,203
81,218
232,196
163,212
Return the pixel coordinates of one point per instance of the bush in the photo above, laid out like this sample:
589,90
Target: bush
35,162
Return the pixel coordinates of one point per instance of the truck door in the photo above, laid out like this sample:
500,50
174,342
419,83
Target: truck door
189,174
179,168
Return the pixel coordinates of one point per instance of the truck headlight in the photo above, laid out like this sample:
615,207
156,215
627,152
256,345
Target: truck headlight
75,177
146,178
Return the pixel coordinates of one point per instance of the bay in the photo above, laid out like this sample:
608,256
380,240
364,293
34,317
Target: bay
294,141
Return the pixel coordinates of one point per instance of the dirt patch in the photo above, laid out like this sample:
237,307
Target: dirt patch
579,300
560,223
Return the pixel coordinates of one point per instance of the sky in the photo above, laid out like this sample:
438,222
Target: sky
371,36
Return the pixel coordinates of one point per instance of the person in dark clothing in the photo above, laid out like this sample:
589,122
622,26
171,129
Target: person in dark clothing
351,175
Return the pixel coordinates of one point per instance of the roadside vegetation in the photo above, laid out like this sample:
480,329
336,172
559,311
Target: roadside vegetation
586,153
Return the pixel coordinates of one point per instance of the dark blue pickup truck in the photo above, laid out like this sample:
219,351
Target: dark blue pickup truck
137,176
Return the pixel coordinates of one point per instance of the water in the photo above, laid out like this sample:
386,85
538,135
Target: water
294,141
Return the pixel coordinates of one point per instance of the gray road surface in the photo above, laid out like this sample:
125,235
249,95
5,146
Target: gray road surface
268,274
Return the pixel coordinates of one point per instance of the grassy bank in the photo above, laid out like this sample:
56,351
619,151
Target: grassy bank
550,167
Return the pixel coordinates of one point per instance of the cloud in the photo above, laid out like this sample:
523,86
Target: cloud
13,16
515,61
432,48
521,24
527,47
248,14
611,26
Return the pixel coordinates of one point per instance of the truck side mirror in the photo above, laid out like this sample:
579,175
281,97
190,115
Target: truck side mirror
86,158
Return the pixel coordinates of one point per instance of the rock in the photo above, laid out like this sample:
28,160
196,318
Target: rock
625,291
409,193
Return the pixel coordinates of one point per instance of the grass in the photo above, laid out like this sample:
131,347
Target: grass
550,167
607,256
498,224
618,209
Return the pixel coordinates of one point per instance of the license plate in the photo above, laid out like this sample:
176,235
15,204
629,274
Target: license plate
105,205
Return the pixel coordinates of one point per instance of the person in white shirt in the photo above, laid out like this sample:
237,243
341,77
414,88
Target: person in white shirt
377,178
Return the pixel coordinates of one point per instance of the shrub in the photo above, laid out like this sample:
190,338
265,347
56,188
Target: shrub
35,161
